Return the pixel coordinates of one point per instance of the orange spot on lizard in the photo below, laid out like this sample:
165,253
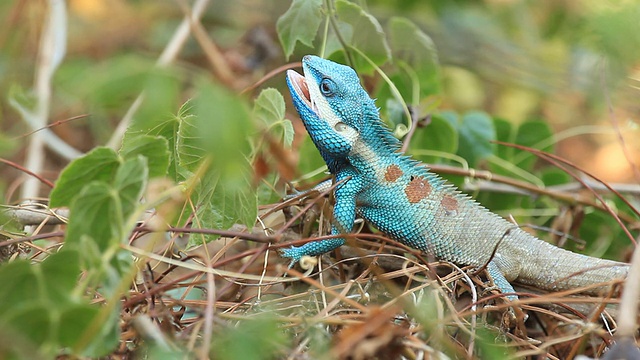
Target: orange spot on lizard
449,203
418,189
392,173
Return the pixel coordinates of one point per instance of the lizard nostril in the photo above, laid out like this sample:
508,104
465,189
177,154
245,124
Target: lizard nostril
340,127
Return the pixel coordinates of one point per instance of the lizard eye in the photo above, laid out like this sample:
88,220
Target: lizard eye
327,87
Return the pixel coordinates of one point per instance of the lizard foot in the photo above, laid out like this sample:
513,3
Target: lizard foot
298,254
513,317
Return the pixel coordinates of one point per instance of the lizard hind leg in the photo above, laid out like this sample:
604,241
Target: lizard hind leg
500,281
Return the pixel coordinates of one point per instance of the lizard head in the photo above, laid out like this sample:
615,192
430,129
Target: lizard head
331,102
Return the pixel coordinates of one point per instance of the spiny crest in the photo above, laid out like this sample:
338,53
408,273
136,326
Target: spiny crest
381,132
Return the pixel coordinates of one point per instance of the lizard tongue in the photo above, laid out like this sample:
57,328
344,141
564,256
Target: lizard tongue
300,86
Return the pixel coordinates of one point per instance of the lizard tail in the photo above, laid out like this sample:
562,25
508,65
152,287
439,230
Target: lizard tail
556,269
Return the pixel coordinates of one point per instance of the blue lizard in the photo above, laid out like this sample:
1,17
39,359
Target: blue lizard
403,199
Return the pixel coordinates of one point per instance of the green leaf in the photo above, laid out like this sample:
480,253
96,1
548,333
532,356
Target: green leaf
100,210
219,130
475,131
270,108
19,286
248,341
59,274
161,97
189,147
129,183
491,345
413,47
223,202
95,213
206,216
22,99
366,35
219,127
299,23
504,133
33,321
38,304
154,148
98,165
289,133
554,176
534,134
333,44
394,109
439,135
74,322
234,204
114,82
86,322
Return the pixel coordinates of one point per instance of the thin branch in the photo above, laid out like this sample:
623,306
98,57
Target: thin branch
53,124
560,163
28,215
271,74
209,312
214,55
50,138
52,50
27,171
32,238
527,188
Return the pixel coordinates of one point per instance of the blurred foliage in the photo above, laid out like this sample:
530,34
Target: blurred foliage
464,72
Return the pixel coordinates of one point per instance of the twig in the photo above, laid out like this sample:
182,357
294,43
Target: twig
633,189
53,124
27,171
412,131
211,51
151,332
208,313
33,216
52,50
271,74
560,163
572,187
50,138
32,238
527,187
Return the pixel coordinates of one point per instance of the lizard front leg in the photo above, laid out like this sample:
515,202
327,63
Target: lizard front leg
344,214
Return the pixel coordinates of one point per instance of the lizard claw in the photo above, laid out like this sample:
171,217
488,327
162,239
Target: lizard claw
297,254
292,253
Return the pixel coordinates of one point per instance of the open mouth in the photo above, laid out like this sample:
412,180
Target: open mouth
301,88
